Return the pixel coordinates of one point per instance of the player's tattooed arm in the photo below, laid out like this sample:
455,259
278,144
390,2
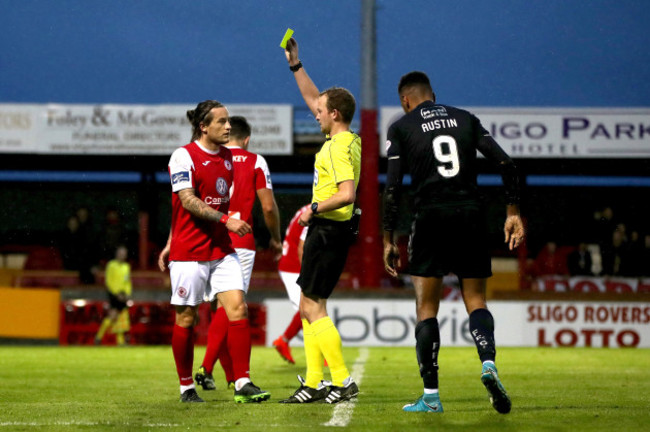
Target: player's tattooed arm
197,207
201,210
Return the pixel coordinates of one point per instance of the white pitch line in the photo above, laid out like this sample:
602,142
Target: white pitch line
84,423
343,410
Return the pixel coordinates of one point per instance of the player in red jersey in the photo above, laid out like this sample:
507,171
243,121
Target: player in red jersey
251,178
289,269
202,262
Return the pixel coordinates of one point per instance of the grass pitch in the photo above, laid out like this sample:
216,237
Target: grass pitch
136,388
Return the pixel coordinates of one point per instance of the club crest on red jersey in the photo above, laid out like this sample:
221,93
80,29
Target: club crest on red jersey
222,186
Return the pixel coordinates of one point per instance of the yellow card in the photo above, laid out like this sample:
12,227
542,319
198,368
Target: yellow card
286,38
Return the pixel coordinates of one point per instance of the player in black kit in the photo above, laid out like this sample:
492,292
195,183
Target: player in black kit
437,145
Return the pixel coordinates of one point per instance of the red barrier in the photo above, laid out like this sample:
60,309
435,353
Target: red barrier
151,323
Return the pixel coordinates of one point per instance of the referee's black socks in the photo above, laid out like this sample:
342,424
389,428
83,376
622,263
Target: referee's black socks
481,326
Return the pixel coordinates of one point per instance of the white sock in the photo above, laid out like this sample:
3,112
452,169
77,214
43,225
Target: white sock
241,382
430,391
490,363
187,387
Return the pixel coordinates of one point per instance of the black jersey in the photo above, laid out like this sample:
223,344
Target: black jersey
437,145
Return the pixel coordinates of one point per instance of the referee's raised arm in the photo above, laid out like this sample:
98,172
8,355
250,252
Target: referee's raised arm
307,87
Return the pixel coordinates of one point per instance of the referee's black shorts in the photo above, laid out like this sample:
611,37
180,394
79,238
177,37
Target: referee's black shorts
115,301
450,240
323,258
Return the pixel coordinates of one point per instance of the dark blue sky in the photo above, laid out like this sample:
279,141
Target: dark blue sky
477,53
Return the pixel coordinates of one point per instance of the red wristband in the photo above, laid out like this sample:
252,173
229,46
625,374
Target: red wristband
224,219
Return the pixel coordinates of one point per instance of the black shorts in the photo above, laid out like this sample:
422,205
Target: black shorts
115,302
450,240
323,257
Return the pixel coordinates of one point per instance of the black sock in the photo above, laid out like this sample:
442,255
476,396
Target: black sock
481,326
427,345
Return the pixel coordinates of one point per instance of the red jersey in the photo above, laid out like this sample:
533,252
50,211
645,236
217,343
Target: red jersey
251,173
210,174
290,262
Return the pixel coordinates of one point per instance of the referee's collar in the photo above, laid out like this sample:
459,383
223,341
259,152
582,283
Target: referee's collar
328,136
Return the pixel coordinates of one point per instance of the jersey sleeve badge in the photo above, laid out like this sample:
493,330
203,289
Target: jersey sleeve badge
180,177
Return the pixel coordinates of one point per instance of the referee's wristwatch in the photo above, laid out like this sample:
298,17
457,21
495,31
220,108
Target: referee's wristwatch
314,208
295,67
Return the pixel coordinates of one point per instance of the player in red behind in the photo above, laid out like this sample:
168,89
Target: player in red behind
202,261
289,269
251,178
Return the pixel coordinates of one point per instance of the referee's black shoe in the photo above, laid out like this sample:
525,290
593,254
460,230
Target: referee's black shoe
306,394
339,394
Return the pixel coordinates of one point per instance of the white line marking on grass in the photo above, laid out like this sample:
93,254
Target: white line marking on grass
84,423
343,410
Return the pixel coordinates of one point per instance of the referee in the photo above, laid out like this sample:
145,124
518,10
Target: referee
336,175
437,144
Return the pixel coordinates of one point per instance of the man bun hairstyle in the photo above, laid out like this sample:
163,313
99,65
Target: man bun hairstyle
415,79
342,100
240,129
201,114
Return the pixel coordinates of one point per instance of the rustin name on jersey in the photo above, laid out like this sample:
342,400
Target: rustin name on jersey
439,124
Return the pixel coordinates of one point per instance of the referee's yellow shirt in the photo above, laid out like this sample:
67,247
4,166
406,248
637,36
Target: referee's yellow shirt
118,277
338,160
